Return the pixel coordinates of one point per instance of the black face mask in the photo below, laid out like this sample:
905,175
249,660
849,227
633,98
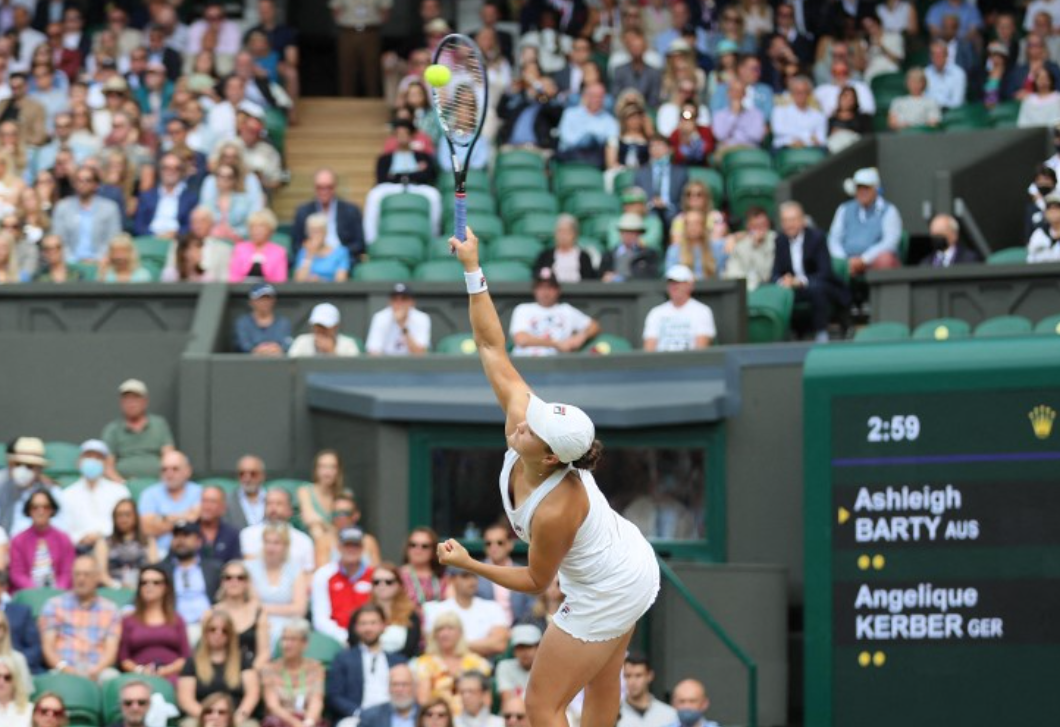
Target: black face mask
1046,191
939,243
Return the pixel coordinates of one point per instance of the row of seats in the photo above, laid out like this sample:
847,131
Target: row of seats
945,329
887,87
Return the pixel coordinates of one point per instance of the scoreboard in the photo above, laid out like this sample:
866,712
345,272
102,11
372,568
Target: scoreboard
933,533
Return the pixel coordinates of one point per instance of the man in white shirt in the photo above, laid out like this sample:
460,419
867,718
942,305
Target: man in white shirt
400,329
485,625
546,326
947,82
827,94
90,501
325,340
640,708
797,123
514,674
681,323
278,510
474,690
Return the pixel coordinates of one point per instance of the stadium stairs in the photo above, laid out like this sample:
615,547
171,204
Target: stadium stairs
344,134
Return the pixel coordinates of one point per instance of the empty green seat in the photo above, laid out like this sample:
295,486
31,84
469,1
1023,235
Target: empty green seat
752,187
87,271
390,270
35,598
606,344
592,202
121,597
486,227
969,116
62,457
528,202
769,309
539,226
81,697
443,269
276,127
112,692
942,329
793,160
522,248
713,179
406,203
1008,256
228,484
403,225
1004,114
519,159
745,159
1048,326
439,248
407,250
625,178
283,239
570,179
884,331
137,485
1003,326
457,344
152,247
477,203
506,271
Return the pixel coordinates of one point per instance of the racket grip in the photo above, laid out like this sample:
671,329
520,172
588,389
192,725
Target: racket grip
460,217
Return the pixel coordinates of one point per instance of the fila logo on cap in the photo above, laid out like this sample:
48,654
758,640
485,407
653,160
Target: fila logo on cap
561,410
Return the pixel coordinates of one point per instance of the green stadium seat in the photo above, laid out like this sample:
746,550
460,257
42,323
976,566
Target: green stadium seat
228,484
1000,326
81,696
507,271
591,203
62,457
606,344
406,250
389,270
320,647
514,181
1004,115
477,180
35,598
276,128
112,691
539,226
880,121
625,178
522,248
571,179
1048,326
1008,256
457,344
745,159
290,484
403,225
519,159
528,202
752,187
87,271
713,179
479,204
942,329
598,226
967,117
841,269
283,239
769,309
592,245
486,227
893,83
137,485
120,597
438,248
406,203
884,331
441,270
793,160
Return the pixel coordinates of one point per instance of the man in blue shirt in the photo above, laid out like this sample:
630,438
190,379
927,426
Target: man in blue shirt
262,332
175,499
866,230
195,579
969,15
584,130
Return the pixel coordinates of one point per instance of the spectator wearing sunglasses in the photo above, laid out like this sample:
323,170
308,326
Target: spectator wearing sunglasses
49,711
196,579
246,503
134,700
154,638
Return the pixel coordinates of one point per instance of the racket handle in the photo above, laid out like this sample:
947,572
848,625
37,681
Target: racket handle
460,217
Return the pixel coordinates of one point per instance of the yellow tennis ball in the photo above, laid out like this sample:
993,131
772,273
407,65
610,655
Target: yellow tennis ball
437,75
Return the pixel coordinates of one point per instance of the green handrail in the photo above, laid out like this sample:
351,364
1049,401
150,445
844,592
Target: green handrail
704,616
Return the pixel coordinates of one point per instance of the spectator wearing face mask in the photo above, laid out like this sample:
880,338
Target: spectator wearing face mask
691,702
93,497
21,477
1043,185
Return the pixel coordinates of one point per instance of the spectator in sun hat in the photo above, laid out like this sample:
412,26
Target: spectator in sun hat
23,475
635,200
631,260
92,497
261,331
866,230
138,440
547,326
400,329
325,339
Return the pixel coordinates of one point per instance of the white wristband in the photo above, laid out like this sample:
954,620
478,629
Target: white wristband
476,282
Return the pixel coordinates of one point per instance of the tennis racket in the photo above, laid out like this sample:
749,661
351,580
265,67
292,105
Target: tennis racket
461,107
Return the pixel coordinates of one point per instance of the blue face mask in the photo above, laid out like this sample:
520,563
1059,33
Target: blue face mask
689,717
91,468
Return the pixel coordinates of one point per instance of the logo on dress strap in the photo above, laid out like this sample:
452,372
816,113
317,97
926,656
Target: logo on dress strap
565,611
561,410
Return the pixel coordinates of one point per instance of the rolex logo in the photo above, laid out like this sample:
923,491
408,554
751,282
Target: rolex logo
1042,417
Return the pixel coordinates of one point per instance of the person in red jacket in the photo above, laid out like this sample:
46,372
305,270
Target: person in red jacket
341,588
691,143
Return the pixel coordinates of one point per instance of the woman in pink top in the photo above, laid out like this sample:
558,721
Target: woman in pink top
258,257
41,555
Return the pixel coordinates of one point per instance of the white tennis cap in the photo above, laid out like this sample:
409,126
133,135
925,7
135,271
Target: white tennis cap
566,429
324,314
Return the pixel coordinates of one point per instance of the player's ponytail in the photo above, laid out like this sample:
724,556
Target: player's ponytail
590,459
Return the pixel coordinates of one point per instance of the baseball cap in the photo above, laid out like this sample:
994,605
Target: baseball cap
680,274
1051,199
133,386
566,429
325,314
95,446
251,109
353,536
631,221
401,289
545,275
526,635
261,290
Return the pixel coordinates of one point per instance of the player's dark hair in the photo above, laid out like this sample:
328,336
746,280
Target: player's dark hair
590,459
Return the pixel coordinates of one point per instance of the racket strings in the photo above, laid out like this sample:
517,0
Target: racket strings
461,102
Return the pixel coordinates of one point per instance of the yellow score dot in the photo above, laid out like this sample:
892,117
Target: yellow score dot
878,561
864,562
864,659
879,658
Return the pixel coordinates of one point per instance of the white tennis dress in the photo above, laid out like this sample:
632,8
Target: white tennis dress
609,577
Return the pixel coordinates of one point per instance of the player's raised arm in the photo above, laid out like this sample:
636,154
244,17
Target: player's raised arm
508,386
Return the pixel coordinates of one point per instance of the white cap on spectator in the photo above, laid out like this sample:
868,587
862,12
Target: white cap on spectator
95,446
115,84
680,274
133,386
438,26
867,177
630,221
251,109
526,635
325,314
678,45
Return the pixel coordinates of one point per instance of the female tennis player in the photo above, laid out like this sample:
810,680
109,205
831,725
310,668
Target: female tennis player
607,570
